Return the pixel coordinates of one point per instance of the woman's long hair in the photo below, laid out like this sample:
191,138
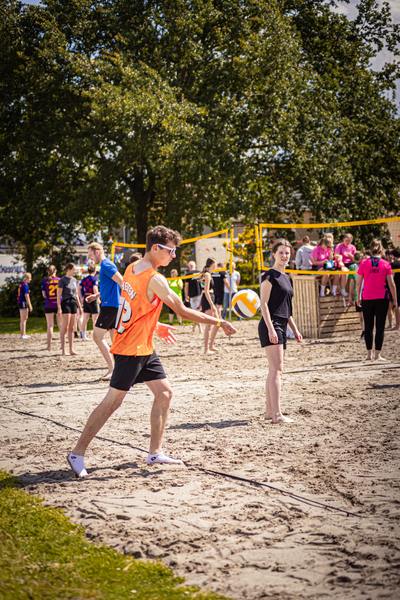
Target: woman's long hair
51,271
208,264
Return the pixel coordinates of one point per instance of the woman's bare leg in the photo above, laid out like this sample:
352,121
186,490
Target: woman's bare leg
275,355
50,329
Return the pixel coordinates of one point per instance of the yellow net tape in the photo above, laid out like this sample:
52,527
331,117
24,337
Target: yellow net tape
323,225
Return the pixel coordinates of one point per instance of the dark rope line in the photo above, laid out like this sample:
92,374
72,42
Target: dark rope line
308,501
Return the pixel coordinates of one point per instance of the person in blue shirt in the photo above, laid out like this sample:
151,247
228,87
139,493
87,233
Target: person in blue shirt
109,294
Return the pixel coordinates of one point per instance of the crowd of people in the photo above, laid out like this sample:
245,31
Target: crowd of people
131,305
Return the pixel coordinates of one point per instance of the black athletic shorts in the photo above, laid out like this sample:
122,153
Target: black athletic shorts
91,307
49,311
69,306
205,305
358,308
107,316
219,298
280,326
129,370
22,305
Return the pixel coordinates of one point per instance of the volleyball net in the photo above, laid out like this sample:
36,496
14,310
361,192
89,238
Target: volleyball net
117,246
260,241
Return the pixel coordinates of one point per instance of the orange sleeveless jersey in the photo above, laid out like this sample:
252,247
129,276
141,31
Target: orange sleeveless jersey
137,317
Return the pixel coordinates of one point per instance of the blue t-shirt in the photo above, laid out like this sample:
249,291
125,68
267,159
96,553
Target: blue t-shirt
110,291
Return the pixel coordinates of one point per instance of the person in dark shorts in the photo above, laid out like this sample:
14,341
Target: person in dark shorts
49,293
220,280
143,292
24,304
208,305
87,286
68,304
192,292
109,294
276,309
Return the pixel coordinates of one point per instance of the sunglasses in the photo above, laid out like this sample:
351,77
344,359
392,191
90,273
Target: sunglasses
172,251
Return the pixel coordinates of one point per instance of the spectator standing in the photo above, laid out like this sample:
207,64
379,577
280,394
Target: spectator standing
376,274
87,286
396,265
109,294
303,260
220,283
233,281
68,305
193,290
24,304
176,286
49,292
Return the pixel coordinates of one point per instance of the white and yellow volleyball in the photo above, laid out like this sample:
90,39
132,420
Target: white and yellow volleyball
246,304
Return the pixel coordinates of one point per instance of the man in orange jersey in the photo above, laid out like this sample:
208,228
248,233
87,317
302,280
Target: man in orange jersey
142,296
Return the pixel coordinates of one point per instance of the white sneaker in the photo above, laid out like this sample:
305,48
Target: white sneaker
23,337
161,458
77,465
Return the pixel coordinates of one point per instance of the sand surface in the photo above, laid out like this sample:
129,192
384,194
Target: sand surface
241,540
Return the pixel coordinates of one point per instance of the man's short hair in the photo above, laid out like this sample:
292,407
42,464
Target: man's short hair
306,239
191,265
396,254
135,257
162,235
96,247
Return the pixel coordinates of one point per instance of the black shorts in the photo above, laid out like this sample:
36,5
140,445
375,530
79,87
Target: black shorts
91,307
280,326
205,304
219,298
49,311
69,306
22,305
129,370
358,308
107,316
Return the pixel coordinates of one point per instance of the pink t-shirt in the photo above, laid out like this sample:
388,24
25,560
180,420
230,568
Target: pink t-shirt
342,250
320,253
374,271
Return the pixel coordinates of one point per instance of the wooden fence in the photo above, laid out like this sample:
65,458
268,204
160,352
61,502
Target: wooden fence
318,317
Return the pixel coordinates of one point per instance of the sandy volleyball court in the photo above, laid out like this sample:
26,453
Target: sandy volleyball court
232,537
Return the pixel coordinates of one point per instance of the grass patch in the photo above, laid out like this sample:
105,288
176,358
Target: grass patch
45,556
34,325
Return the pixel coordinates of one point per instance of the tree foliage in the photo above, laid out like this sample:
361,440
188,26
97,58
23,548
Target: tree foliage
192,113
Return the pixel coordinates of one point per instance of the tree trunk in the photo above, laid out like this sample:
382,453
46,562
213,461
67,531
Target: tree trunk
28,256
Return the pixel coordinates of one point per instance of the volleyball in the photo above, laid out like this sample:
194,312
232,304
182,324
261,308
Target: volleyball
246,304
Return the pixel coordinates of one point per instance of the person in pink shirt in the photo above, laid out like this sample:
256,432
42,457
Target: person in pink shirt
376,273
320,256
344,253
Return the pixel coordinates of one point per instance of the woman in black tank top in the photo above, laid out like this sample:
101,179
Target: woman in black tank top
276,308
208,306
